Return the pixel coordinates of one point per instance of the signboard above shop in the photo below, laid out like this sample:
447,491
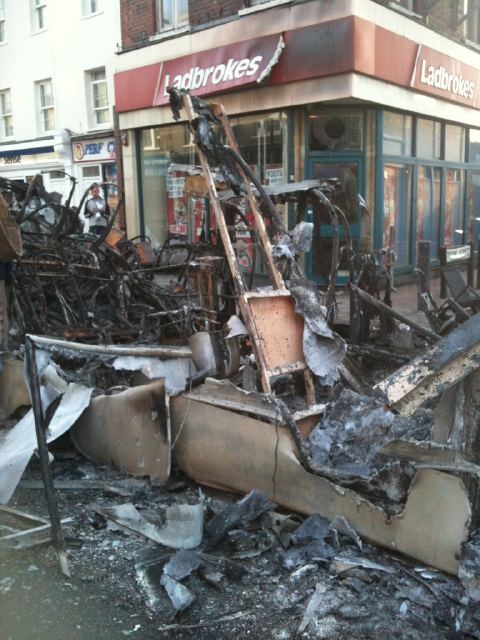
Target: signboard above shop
437,73
93,150
222,69
329,48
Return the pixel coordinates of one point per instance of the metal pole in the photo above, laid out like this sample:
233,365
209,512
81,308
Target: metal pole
471,265
366,297
478,265
40,429
113,350
423,263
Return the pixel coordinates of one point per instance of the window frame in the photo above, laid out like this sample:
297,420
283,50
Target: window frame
415,160
87,11
472,21
43,108
4,134
3,32
177,24
39,14
261,5
94,110
408,7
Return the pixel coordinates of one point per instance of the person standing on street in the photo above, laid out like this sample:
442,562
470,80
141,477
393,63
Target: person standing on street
96,211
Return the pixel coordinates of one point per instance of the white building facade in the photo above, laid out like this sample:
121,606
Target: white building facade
57,59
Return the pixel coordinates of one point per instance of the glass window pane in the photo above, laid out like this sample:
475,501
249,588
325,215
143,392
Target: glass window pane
335,130
99,74
167,14
100,98
101,116
397,134
474,146
428,206
397,209
166,209
474,208
473,21
454,198
454,143
428,138
182,12
347,175
46,95
5,102
91,172
48,119
262,144
9,126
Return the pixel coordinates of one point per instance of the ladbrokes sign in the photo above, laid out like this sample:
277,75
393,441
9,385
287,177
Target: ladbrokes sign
220,69
441,75
205,72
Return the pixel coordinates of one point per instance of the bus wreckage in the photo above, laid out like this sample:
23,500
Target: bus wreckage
259,392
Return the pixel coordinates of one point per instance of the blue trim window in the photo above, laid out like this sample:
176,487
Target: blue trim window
423,186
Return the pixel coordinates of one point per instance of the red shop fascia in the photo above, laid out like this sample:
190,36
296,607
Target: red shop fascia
346,45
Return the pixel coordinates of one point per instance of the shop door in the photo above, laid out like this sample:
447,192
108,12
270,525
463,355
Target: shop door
349,172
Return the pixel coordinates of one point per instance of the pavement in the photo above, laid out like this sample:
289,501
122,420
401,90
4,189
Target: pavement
404,300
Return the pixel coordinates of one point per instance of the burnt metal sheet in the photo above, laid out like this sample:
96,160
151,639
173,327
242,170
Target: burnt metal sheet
223,393
287,189
280,331
430,374
13,389
129,430
215,447
20,442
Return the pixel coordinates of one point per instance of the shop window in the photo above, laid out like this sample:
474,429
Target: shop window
2,21
429,186
164,205
335,130
473,226
164,152
98,96
6,117
454,209
474,146
171,14
46,110
397,134
39,14
397,210
261,142
454,143
429,137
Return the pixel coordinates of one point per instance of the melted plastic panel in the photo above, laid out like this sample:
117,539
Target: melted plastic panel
129,430
223,448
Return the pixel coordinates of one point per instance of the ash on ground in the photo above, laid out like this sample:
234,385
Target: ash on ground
259,572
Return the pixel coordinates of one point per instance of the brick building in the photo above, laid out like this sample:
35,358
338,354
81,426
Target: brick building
382,95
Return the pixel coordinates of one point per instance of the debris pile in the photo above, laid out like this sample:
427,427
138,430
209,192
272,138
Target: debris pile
77,285
248,388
